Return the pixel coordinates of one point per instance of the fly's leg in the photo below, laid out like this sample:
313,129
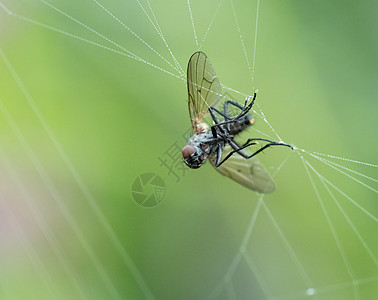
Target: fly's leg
219,155
251,142
244,110
227,120
227,113
265,140
234,145
247,108
226,103
212,112
234,151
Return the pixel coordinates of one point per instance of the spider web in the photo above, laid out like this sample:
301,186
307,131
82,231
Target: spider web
313,238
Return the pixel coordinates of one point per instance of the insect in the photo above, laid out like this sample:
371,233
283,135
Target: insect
217,143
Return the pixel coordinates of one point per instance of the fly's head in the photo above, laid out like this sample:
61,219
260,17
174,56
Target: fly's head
198,149
193,156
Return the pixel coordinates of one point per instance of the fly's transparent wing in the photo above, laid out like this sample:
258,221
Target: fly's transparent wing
247,172
204,89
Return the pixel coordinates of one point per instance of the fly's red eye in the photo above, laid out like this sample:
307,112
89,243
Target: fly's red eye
187,151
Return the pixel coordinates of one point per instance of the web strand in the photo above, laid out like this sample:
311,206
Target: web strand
29,249
60,202
193,26
84,189
41,222
289,249
325,184
88,28
331,165
259,277
333,231
242,254
345,159
160,33
255,43
210,25
131,55
342,193
241,40
137,36
95,44
345,168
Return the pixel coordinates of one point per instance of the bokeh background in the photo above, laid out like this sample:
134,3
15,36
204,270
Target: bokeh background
79,123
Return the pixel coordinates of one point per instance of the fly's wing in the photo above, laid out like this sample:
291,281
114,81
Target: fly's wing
204,88
247,172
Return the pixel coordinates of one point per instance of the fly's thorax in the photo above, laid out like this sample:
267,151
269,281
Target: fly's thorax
204,136
240,124
202,142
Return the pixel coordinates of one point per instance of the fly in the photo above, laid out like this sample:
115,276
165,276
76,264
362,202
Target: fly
216,143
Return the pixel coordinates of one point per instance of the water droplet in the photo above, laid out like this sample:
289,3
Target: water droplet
310,292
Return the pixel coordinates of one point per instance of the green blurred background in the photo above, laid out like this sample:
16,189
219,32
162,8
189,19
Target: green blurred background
69,228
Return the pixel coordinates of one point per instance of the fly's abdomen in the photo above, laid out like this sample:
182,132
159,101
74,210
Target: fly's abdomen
241,124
